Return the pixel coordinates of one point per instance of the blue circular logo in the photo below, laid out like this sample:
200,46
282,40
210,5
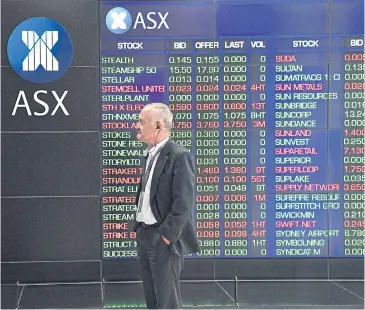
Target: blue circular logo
40,50
118,20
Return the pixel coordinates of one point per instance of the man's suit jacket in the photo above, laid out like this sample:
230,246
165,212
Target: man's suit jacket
172,197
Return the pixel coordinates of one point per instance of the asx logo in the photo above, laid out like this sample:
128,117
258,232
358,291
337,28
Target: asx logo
119,20
40,51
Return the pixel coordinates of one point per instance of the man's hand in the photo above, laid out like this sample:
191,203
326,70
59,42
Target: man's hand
166,241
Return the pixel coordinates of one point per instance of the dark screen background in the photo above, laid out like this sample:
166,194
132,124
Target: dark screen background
51,192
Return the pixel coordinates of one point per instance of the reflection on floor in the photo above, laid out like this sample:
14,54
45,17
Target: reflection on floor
214,294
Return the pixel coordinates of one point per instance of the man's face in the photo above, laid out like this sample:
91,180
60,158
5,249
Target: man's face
146,127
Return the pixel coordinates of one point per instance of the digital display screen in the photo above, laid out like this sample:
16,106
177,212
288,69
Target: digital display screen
269,98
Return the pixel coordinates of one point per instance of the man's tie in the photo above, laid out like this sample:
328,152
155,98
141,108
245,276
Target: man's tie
145,176
146,172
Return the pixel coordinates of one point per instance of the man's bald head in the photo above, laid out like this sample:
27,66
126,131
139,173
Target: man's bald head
160,112
155,123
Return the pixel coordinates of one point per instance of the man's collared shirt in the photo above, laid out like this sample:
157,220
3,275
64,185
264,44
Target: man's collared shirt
146,215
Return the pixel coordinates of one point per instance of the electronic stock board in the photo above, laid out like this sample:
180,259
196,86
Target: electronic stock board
269,98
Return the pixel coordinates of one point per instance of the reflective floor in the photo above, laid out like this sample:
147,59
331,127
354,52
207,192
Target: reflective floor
215,294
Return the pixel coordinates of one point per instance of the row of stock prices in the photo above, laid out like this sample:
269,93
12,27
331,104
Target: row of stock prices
272,112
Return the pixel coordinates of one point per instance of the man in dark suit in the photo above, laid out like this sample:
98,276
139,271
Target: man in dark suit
165,199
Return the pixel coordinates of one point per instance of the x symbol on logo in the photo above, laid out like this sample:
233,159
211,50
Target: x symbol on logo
40,50
118,20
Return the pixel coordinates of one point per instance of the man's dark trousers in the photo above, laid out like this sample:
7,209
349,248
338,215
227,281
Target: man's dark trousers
160,269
